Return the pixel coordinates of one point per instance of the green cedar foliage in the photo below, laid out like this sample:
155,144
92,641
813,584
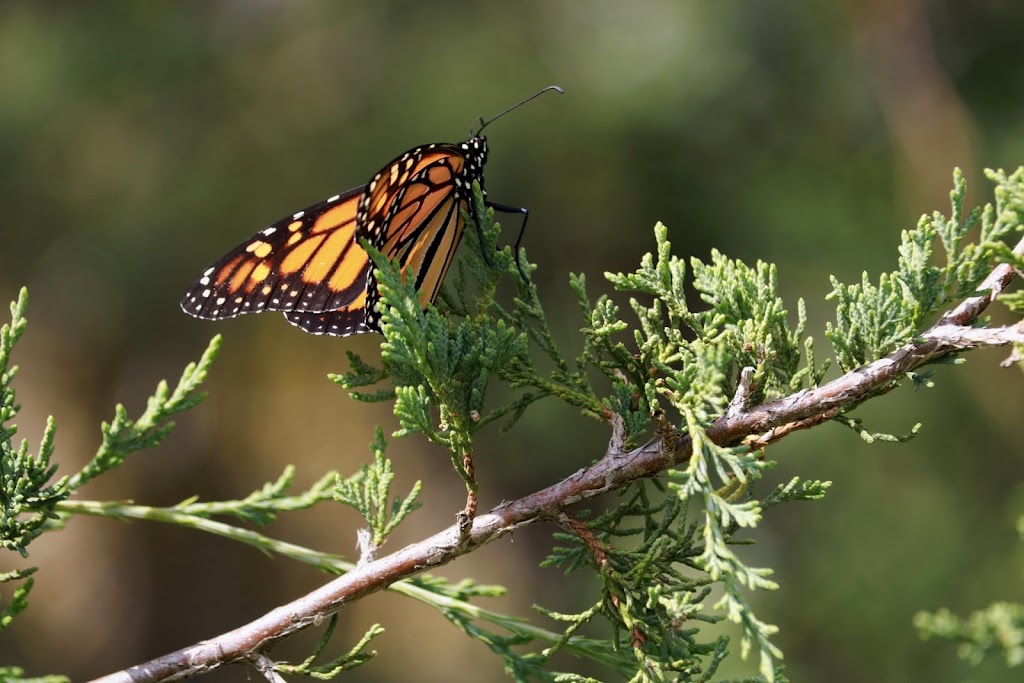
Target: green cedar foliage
668,552
873,320
676,367
28,498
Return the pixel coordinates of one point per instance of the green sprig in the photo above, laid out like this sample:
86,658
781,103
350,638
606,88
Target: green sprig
369,492
27,499
329,671
123,436
262,506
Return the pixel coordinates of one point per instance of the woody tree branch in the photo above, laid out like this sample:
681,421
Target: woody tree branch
951,334
762,424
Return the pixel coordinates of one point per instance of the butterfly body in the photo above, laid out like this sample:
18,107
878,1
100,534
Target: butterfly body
310,265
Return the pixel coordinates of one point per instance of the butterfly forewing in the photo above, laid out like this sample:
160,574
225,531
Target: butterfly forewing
383,197
429,254
308,261
423,224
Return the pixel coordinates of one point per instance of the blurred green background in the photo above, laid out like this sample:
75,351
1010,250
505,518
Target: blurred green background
140,140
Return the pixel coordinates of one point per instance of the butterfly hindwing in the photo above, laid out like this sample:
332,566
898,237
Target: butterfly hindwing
340,323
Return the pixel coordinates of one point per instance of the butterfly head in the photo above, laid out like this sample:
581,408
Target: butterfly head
475,151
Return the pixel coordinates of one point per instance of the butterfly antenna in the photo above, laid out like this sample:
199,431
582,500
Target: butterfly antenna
484,124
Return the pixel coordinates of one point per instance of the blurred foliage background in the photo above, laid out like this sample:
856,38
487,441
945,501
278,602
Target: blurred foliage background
141,140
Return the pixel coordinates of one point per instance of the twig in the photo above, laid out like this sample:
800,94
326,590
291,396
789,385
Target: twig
367,550
969,337
265,666
614,470
757,442
739,401
600,555
468,514
874,377
617,441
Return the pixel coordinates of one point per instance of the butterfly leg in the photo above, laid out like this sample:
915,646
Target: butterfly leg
522,230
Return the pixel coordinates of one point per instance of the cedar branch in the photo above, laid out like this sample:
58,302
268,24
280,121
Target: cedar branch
617,468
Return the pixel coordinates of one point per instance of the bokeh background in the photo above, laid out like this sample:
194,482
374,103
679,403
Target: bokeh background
141,140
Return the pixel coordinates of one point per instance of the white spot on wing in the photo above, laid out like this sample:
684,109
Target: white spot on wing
298,214
269,231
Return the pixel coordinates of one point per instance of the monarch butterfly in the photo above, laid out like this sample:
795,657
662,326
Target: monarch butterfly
310,265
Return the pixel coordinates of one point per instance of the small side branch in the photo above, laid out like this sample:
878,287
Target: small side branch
465,518
960,337
600,554
265,666
949,335
742,397
761,441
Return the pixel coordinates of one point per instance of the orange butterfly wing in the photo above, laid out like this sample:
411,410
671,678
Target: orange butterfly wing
308,261
310,266
413,213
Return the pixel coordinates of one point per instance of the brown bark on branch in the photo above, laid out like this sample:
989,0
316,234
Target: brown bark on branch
766,423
